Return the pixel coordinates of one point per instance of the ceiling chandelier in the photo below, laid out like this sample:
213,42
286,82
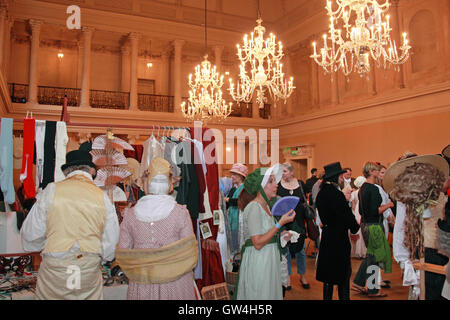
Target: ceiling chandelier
366,34
205,100
264,70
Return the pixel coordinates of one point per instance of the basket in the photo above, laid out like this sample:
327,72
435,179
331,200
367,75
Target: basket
215,292
231,279
231,276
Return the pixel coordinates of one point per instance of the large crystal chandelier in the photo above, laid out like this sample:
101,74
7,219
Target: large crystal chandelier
261,69
205,100
366,34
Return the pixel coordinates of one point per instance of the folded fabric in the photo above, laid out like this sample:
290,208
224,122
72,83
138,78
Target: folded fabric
379,247
293,239
159,265
411,276
6,160
27,158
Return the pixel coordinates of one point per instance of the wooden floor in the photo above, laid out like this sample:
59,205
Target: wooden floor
396,292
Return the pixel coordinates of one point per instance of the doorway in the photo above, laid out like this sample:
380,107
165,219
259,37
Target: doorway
300,168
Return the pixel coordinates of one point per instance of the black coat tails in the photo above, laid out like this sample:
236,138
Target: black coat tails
333,265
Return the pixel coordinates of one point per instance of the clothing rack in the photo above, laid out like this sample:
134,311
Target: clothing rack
121,126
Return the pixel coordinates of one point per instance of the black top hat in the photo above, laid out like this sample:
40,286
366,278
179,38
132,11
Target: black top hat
333,169
78,158
86,146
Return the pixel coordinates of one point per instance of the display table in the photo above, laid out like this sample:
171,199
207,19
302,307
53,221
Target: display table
115,292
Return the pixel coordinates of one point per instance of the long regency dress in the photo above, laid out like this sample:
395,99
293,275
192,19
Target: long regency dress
136,234
260,270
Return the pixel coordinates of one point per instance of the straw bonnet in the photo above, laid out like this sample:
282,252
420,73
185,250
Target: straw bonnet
399,167
240,169
133,167
158,166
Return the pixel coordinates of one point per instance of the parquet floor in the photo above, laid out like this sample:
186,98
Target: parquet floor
396,292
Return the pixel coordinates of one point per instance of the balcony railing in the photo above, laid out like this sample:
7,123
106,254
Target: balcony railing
109,99
117,100
55,96
18,92
243,110
153,102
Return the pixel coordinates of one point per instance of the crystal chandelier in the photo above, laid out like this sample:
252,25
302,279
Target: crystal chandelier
366,35
264,70
205,100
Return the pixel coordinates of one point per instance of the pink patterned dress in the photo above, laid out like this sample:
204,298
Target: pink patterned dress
135,234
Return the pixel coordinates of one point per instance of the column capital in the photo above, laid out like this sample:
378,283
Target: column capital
218,48
165,54
10,21
88,31
35,25
178,44
2,12
125,49
134,36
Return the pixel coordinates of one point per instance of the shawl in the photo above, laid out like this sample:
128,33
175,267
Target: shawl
159,265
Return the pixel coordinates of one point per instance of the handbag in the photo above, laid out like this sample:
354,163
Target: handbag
296,247
309,212
312,230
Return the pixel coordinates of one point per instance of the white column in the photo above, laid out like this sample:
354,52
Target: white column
126,72
334,88
80,64
219,10
178,45
134,38
7,51
165,73
34,56
445,31
314,79
86,73
218,55
395,34
2,33
292,100
179,10
372,83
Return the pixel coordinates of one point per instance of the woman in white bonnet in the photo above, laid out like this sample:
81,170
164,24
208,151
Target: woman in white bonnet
157,248
358,247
